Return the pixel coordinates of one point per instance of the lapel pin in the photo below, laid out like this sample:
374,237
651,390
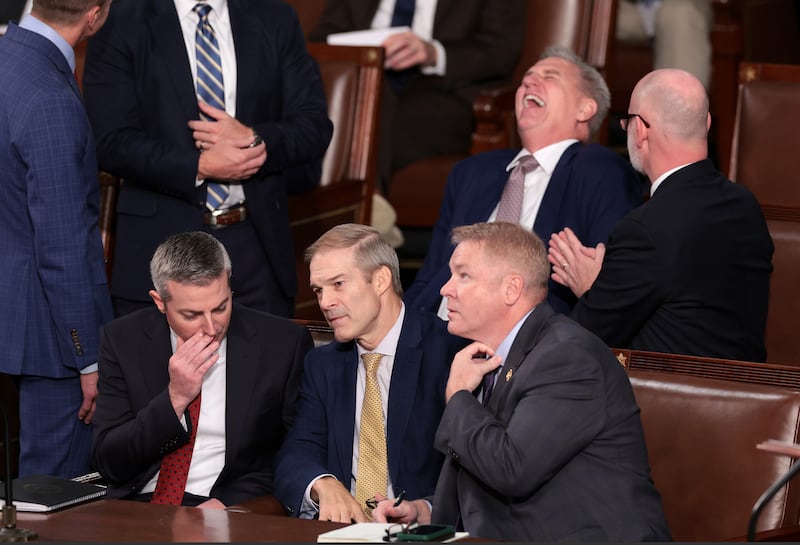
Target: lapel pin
508,375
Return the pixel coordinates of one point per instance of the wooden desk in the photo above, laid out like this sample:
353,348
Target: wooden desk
118,520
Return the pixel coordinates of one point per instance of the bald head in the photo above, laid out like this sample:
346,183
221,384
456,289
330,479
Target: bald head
671,122
675,102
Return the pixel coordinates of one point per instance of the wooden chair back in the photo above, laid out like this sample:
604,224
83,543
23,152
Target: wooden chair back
353,79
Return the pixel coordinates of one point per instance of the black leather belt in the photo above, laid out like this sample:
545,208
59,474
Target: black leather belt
223,218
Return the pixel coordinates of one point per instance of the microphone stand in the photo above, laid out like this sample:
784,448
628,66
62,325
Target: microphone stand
9,530
765,497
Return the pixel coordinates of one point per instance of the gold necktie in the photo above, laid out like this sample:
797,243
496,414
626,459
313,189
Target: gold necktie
372,466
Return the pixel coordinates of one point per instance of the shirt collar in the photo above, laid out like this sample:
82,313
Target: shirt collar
547,157
388,345
31,23
505,347
664,176
185,7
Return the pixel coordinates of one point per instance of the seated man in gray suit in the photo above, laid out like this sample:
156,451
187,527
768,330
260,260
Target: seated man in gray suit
552,449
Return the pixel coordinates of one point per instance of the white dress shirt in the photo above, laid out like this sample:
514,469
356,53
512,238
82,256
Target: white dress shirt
208,457
219,20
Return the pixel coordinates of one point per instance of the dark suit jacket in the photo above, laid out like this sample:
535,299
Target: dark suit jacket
53,287
687,272
135,424
321,441
559,452
140,95
590,190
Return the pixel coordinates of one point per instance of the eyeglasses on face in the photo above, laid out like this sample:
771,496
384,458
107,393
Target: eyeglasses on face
624,120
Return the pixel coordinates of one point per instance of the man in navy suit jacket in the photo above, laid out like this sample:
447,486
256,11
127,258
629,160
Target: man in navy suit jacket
355,275
553,450
587,187
140,94
687,272
53,288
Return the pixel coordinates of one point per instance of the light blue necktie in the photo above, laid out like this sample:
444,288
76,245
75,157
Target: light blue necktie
210,87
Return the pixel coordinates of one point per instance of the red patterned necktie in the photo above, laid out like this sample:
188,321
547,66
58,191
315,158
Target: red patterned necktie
175,466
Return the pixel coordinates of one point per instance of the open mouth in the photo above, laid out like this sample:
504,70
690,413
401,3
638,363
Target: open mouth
533,99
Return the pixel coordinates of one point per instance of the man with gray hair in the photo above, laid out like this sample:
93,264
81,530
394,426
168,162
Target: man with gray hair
557,180
552,449
370,402
687,272
196,394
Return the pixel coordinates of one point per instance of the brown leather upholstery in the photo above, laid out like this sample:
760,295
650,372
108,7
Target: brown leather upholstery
585,26
353,79
764,159
701,435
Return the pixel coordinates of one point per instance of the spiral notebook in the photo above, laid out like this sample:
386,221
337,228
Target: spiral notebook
42,493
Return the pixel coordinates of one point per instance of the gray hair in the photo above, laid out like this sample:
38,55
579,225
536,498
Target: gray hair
371,250
192,258
520,249
593,84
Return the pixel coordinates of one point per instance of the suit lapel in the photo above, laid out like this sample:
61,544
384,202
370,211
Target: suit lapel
405,377
547,219
522,345
154,354
246,39
344,401
241,370
491,189
167,39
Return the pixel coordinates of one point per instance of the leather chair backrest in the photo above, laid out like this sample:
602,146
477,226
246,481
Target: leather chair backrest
585,26
701,438
764,159
353,79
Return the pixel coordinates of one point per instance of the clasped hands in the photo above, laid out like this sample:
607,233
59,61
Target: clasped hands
225,144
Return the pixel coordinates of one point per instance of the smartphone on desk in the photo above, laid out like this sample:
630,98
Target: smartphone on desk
427,532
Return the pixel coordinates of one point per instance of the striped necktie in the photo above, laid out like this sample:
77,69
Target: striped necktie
510,207
210,87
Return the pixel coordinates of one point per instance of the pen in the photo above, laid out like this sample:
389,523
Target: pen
400,498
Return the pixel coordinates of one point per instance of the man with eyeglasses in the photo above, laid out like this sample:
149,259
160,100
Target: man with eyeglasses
687,272
563,181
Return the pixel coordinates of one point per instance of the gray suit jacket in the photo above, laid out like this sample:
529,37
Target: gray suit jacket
559,452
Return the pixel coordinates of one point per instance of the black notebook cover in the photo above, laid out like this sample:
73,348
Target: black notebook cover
42,493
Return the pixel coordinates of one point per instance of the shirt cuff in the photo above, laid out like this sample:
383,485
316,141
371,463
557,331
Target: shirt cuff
440,68
309,509
91,368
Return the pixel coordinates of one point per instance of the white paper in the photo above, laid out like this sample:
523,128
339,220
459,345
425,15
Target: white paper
367,532
372,37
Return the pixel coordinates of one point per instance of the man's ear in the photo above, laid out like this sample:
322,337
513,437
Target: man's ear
158,301
514,284
382,279
587,109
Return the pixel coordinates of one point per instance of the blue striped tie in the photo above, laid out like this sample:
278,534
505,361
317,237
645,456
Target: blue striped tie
210,87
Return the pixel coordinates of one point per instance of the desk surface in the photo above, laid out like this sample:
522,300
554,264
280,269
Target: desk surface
118,520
